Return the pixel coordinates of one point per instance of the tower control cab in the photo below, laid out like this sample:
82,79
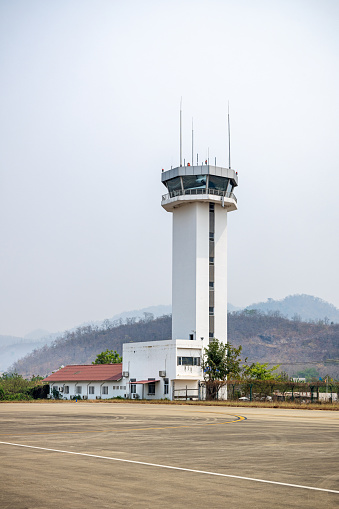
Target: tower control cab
205,183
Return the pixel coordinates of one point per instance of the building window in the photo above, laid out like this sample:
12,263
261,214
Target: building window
91,389
188,361
211,249
211,260
211,284
219,183
174,184
133,387
194,181
66,389
166,385
211,310
230,186
78,389
105,389
151,388
211,324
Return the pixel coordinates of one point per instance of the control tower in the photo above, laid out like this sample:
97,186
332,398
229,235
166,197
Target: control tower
199,198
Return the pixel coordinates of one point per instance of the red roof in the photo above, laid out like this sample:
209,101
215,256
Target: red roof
89,373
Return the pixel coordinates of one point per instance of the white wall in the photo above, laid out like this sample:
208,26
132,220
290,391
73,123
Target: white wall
326,396
220,273
120,389
145,360
190,277
190,271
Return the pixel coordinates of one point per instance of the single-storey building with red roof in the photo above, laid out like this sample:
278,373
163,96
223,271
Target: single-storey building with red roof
94,381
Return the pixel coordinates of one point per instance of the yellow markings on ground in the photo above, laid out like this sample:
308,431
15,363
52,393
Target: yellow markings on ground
239,418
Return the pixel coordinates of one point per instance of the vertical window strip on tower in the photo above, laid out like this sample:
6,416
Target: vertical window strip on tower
211,269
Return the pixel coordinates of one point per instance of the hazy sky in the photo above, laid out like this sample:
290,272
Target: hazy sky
89,98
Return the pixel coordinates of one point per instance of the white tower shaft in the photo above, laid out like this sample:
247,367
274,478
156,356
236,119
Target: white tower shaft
199,277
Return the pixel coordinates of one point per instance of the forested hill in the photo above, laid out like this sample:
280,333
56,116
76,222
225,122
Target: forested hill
264,338
293,344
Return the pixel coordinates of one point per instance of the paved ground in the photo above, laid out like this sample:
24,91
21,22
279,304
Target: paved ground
294,447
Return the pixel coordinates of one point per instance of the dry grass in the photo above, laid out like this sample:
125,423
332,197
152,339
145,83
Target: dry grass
255,404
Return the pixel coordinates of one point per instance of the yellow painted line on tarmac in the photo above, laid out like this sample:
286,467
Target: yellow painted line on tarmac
239,419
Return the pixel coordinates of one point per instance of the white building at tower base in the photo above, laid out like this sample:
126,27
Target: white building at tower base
163,369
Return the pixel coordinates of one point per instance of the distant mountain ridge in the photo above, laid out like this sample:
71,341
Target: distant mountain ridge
156,311
38,334
13,348
9,340
10,353
300,307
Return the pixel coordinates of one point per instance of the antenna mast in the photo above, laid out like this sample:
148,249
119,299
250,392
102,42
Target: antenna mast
229,137
192,143
181,131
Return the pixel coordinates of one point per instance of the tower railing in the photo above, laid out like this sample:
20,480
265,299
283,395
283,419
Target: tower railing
182,192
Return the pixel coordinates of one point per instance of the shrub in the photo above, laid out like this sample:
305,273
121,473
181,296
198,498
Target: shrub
39,391
56,393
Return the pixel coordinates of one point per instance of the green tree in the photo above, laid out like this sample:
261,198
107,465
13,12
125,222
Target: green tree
219,361
257,371
15,387
311,374
261,379
108,357
13,383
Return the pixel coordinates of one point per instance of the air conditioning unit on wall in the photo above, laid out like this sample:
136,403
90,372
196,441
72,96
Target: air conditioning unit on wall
125,374
162,373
